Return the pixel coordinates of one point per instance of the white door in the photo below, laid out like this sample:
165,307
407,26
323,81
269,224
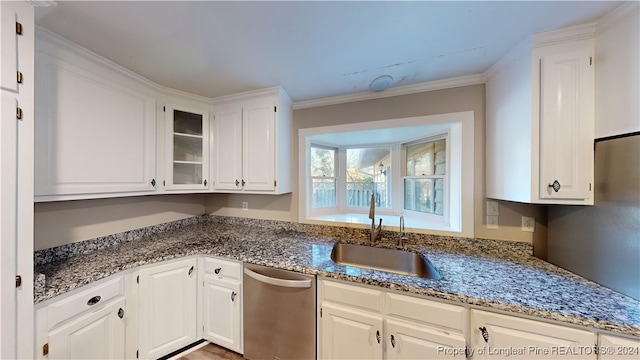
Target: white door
346,333
496,336
614,347
413,341
167,307
96,335
258,145
566,125
221,312
228,148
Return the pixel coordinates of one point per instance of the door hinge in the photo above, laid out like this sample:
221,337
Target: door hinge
18,280
45,349
18,28
138,279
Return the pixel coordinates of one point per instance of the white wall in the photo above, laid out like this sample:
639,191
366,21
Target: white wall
617,55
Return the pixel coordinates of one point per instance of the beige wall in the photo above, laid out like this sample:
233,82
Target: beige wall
59,223
429,103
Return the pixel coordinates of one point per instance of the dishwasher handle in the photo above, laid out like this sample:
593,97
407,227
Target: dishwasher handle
278,282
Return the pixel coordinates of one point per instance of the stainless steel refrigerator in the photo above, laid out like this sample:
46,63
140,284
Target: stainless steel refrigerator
602,242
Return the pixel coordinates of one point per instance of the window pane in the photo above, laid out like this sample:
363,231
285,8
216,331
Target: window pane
369,172
323,162
324,193
424,195
426,159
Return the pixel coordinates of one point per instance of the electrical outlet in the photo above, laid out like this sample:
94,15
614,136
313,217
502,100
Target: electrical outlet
245,205
528,223
492,222
493,208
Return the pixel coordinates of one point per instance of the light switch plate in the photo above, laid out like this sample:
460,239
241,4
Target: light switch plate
492,222
493,209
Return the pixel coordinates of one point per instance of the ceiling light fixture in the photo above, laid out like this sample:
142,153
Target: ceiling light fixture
381,83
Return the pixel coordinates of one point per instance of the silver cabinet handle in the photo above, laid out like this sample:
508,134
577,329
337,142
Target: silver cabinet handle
120,313
485,334
217,270
278,282
233,296
237,182
94,300
378,336
393,341
190,271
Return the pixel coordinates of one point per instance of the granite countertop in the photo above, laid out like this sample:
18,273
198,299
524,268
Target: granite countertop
499,275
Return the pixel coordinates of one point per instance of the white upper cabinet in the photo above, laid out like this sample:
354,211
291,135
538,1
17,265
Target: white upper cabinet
540,120
186,147
11,37
95,126
252,145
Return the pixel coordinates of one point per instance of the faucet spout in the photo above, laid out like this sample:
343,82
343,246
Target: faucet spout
375,232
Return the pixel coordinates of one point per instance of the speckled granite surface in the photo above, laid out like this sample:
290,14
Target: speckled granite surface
498,275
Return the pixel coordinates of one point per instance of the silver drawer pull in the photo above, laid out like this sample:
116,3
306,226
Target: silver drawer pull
217,270
94,300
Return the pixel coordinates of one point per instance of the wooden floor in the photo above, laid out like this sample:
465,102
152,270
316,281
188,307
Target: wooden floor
212,352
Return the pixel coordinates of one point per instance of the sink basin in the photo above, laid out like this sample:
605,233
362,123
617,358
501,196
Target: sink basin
390,260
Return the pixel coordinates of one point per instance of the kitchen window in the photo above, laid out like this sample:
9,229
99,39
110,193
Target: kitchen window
415,168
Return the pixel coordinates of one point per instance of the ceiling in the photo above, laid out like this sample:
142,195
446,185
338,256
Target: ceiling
313,49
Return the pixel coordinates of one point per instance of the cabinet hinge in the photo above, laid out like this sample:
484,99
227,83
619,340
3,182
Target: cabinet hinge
275,183
596,349
19,113
275,109
18,28
137,353
18,280
45,349
19,77
589,186
320,312
164,108
164,183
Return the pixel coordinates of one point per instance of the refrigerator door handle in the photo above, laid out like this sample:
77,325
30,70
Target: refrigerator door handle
278,282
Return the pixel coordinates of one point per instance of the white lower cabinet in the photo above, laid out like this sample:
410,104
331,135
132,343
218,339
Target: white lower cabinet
86,323
167,307
496,336
364,323
615,347
222,303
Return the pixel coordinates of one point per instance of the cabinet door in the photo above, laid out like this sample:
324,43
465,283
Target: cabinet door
258,145
496,336
413,341
187,150
614,347
347,333
566,125
221,312
93,135
96,335
228,148
167,308
9,11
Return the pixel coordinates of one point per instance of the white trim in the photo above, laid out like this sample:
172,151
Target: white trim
618,15
466,80
573,33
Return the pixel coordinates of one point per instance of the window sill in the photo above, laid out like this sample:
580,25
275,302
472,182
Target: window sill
389,222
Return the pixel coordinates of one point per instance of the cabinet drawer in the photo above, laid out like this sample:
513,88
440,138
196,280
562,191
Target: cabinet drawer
430,312
94,296
223,268
354,296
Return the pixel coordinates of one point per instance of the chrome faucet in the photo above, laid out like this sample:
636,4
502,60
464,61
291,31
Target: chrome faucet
401,234
374,232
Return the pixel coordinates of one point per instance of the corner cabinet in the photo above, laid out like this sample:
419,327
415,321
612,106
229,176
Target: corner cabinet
540,120
186,147
252,145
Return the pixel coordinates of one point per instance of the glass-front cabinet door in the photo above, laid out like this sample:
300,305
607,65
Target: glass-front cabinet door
187,136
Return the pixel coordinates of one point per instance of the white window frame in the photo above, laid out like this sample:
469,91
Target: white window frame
460,167
336,169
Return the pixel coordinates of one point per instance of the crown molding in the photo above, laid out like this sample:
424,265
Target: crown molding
573,33
467,80
618,15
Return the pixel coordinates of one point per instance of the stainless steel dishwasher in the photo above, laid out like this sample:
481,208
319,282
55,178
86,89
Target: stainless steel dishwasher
279,314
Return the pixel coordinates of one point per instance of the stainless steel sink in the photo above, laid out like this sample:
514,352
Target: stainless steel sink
390,260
